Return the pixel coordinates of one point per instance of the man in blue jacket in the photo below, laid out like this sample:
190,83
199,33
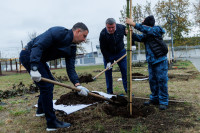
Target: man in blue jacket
56,42
112,47
157,66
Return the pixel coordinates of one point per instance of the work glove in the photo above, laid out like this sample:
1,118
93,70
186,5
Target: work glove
133,48
108,65
35,75
84,91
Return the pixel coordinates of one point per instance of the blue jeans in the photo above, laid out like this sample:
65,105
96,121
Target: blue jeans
123,68
45,101
158,78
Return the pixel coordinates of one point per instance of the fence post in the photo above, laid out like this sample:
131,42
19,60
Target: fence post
0,69
16,65
55,63
60,62
11,64
20,67
6,66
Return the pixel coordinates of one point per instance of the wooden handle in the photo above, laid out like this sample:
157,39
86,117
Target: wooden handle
108,67
74,88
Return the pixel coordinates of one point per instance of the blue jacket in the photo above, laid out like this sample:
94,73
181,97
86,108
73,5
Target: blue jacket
112,44
55,43
156,31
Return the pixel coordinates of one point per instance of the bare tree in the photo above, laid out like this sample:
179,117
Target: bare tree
32,35
147,9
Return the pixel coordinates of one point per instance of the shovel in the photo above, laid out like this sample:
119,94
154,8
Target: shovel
115,101
109,67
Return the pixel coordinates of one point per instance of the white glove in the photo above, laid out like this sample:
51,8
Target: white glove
35,75
133,48
84,91
108,65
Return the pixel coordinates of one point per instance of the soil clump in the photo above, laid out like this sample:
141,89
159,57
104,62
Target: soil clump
85,78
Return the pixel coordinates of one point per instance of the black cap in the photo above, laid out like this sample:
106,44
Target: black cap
149,21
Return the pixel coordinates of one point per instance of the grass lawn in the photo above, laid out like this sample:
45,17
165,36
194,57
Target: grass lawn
18,115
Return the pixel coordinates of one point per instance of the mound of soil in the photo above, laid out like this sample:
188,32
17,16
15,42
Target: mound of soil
85,78
138,110
97,71
106,117
60,78
184,77
73,98
138,76
116,108
19,90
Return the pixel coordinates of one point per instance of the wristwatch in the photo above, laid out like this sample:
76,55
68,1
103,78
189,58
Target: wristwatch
34,68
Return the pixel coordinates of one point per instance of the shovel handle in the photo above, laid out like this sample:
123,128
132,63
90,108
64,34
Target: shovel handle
74,88
109,67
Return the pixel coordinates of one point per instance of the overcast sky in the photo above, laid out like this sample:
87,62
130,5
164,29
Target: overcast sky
22,17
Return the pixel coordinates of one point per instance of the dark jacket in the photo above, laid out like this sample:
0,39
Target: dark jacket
55,43
112,44
148,33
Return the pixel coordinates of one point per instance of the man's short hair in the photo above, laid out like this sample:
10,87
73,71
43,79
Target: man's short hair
110,21
81,26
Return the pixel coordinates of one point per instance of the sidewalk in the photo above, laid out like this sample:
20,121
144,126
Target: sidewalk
195,62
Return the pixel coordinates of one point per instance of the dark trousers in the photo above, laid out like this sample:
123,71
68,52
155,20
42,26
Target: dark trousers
158,78
123,68
45,101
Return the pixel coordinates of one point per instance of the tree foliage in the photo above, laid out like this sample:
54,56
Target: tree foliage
181,24
138,14
197,13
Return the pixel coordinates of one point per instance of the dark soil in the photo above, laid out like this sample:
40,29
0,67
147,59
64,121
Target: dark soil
19,90
73,98
77,99
85,78
97,71
185,77
105,117
60,78
138,76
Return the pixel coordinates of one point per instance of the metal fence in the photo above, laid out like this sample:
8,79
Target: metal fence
181,52
14,65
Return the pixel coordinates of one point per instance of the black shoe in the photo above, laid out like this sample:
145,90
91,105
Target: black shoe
39,113
57,124
151,102
162,107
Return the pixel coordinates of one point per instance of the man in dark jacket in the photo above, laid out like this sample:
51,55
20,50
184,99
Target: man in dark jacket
112,47
56,42
157,66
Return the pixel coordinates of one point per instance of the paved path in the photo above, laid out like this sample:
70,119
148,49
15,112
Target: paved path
195,62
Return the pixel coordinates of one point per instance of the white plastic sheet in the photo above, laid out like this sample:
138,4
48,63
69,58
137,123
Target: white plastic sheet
68,109
120,79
